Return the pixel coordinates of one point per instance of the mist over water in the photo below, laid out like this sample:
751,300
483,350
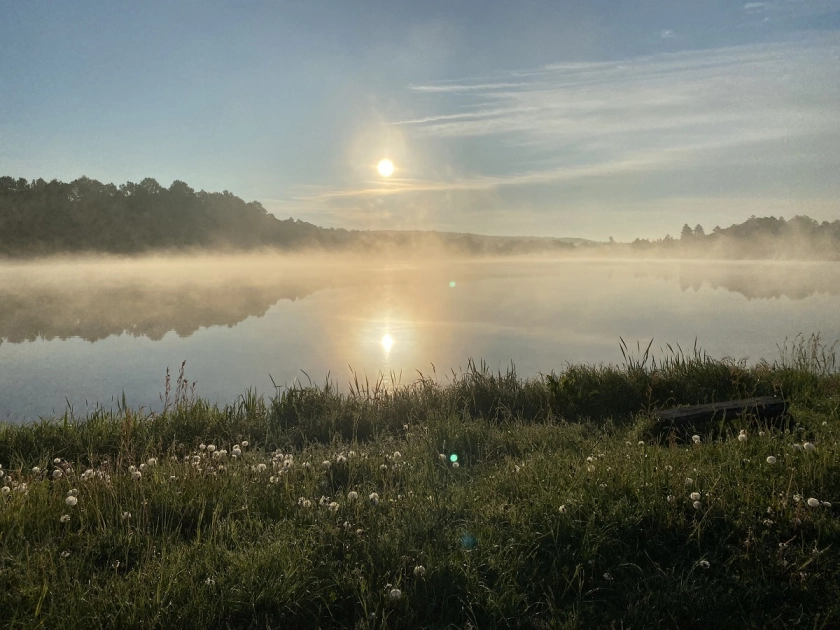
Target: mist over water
85,330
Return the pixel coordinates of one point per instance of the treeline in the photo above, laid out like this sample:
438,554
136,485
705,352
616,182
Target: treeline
40,217
85,215
757,237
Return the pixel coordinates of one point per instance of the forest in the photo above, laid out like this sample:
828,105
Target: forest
86,216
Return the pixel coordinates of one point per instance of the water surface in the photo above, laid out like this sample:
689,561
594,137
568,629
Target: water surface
82,332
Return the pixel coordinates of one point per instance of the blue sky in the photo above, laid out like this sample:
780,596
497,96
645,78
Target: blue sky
582,119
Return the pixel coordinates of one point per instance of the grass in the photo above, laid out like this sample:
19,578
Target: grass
564,510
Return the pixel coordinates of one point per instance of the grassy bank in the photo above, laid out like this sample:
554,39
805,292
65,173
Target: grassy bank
481,501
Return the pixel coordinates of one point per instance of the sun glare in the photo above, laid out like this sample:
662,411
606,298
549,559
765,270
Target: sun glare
387,342
385,167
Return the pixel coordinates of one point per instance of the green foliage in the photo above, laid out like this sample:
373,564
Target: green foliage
555,516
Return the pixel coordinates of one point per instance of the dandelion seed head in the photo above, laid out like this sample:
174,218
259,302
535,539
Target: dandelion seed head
236,451
808,446
333,507
352,495
826,504
64,518
608,577
383,467
695,496
742,437
36,469
71,501
397,455
456,465
419,570
261,467
797,447
126,516
689,481
5,489
201,447
326,464
704,564
761,434
562,509
695,439
812,502
136,475
374,498
151,461
57,473
395,595
65,554
244,443
670,498
697,505
441,456
641,443
771,459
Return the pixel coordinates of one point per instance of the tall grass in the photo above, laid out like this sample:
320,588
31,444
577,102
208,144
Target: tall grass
530,503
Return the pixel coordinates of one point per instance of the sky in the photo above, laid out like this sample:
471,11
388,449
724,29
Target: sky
588,119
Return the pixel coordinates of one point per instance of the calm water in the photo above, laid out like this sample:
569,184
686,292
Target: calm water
86,332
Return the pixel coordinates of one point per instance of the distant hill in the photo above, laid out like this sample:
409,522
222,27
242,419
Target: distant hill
84,216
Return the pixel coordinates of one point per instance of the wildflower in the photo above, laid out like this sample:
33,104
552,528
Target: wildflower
771,459
333,507
136,475
71,501
352,495
151,461
704,564
419,570
374,498
64,518
244,443
695,496
456,465
562,509
326,464
696,439
57,473
126,516
261,468
697,505
809,447
65,554
670,498
395,595
812,502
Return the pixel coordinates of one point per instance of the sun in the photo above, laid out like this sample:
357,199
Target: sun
387,342
385,167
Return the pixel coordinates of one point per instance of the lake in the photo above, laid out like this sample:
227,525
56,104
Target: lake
83,332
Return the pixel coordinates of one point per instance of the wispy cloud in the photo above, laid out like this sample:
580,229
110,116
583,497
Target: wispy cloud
735,112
